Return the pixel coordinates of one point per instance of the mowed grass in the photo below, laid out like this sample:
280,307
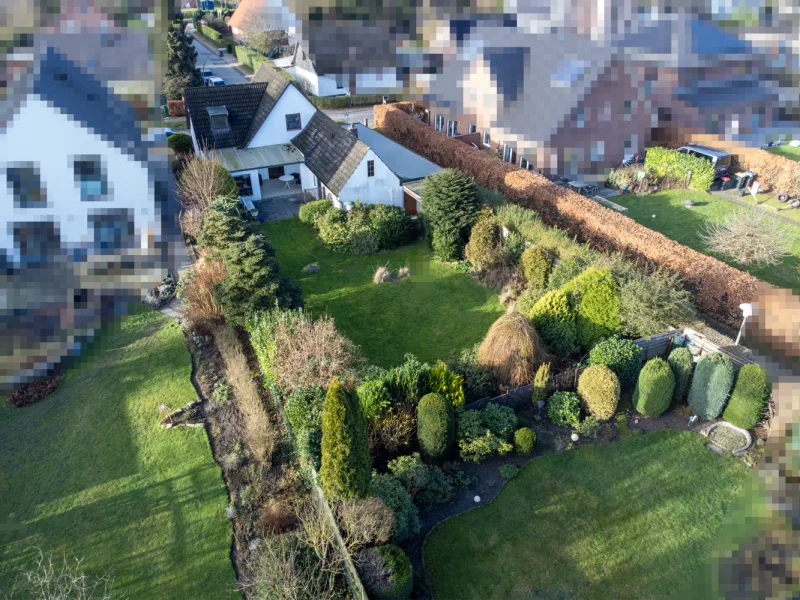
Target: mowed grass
635,519
686,226
790,152
433,314
89,473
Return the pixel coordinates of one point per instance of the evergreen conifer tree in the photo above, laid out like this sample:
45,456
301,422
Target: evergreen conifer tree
181,55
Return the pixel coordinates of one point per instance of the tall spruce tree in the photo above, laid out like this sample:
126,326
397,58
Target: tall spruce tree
224,225
346,462
181,55
450,207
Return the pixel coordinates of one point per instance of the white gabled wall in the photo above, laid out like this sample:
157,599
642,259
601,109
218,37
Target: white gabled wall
383,188
273,130
129,185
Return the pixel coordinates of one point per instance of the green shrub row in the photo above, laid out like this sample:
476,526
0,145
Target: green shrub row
364,229
711,384
749,399
655,388
674,166
351,101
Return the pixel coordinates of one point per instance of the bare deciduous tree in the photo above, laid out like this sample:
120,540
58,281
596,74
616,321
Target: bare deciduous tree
748,237
364,522
202,181
259,33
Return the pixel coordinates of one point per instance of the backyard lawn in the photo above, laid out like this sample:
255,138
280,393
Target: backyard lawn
89,473
433,314
788,151
686,226
632,519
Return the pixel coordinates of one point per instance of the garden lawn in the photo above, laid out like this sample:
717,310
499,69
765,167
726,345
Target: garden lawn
634,519
790,152
686,226
432,314
88,472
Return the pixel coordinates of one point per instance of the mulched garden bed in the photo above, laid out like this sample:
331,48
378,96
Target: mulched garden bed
34,391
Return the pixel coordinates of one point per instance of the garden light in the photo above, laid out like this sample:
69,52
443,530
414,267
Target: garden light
477,499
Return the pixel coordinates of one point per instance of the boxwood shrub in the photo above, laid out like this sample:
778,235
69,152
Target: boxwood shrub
483,248
553,319
390,224
564,409
524,440
596,301
621,356
655,387
180,143
311,211
712,382
749,399
435,426
598,389
535,263
386,572
681,362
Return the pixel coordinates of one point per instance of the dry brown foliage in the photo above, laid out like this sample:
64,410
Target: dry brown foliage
382,275
260,435
512,349
192,222
749,237
176,108
364,522
198,300
394,430
275,518
202,180
718,288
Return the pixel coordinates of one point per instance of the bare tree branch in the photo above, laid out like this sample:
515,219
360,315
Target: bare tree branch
748,237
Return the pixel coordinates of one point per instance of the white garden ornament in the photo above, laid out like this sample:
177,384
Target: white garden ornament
574,437
477,499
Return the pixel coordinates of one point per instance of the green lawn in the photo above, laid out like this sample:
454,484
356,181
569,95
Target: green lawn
788,151
89,472
686,225
432,314
633,519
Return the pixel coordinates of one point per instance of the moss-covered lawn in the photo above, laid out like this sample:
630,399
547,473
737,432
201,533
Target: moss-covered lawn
633,519
89,472
433,314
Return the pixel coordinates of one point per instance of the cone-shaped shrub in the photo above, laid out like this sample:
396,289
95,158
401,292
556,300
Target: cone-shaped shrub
712,382
539,392
598,389
681,362
595,298
535,263
654,389
621,356
346,463
435,426
483,248
749,399
553,319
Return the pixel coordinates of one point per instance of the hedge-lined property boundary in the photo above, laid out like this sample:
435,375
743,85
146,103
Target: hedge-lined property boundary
718,288
176,108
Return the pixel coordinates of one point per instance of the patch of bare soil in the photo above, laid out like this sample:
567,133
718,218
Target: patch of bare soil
34,391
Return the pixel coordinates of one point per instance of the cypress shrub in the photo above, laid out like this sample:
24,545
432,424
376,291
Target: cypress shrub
450,207
435,426
524,440
535,263
553,319
712,382
346,462
386,572
311,211
749,399
681,362
540,382
655,387
482,251
595,298
621,356
224,224
598,388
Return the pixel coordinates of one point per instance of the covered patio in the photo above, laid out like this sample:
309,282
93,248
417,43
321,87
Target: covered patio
258,171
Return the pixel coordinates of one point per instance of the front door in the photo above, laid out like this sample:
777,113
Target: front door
275,172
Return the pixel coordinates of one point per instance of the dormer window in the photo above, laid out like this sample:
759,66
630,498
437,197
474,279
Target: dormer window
219,117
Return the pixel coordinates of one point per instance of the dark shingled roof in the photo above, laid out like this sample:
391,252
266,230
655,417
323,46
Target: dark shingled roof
276,85
242,102
332,153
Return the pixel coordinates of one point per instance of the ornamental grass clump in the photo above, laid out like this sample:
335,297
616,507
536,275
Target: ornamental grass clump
435,426
750,397
682,364
712,382
512,349
598,389
653,393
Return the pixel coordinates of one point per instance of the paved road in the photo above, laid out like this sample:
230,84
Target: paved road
355,115
221,67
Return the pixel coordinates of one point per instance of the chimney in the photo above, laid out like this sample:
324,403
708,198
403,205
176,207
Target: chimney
366,123
354,130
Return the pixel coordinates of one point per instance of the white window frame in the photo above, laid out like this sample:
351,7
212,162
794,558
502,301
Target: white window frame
522,159
473,128
487,139
508,153
438,122
452,128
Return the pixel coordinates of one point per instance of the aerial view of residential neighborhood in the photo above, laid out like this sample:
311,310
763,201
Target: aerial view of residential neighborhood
387,300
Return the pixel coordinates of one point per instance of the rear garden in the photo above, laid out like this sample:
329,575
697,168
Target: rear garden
787,151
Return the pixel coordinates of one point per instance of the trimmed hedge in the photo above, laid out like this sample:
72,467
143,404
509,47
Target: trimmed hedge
595,298
311,211
598,388
553,319
621,356
718,288
180,143
249,57
748,403
682,364
351,101
712,382
176,108
535,263
654,389
524,441
435,426
674,165
364,229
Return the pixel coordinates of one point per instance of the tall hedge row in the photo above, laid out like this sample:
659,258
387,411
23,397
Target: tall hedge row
718,288
712,382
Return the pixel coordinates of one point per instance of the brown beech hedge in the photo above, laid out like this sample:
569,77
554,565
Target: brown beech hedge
718,288
176,108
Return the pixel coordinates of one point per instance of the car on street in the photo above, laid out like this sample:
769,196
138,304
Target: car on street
215,81
207,74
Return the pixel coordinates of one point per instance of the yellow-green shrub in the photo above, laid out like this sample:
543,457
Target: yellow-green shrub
598,389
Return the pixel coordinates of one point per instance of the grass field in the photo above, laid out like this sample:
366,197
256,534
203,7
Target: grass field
632,520
686,226
89,472
432,314
788,151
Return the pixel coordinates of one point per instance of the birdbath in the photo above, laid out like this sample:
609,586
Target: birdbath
727,437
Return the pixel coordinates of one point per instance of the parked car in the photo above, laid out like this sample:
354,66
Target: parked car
720,160
207,74
215,81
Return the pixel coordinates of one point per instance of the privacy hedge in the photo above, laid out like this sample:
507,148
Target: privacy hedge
718,288
653,392
249,57
749,399
674,165
351,101
713,379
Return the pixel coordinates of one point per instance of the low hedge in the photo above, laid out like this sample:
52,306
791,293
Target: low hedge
249,57
598,388
341,102
674,165
654,389
364,229
712,382
748,403
180,143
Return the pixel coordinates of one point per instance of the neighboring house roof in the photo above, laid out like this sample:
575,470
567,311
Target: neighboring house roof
243,12
68,88
735,91
332,153
301,60
404,163
242,101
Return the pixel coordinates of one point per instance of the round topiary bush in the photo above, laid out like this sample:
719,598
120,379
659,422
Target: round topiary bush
535,264
311,211
564,409
391,225
482,250
621,356
654,389
598,388
596,301
435,426
524,440
681,362
180,143
554,320
511,349
386,572
712,382
749,399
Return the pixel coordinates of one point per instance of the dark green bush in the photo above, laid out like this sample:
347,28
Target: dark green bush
435,426
655,387
180,143
346,461
481,433
333,230
566,270
621,356
712,382
311,211
513,247
595,298
535,264
598,388
386,572
447,244
524,440
223,225
450,208
653,302
750,397
553,319
427,484
483,249
304,408
509,471
374,398
564,409
364,229
406,515
681,362
409,381
390,224
479,381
